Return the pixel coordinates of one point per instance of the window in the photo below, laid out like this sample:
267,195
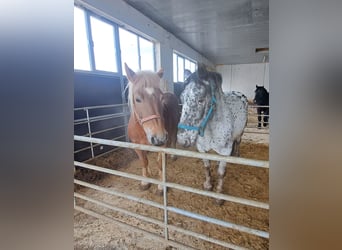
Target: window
103,45
146,54
136,51
180,65
81,50
96,45
129,50
175,68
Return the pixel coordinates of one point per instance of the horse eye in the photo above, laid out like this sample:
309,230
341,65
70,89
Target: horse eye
137,99
201,101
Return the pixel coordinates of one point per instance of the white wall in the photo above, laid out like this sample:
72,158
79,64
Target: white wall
244,77
125,15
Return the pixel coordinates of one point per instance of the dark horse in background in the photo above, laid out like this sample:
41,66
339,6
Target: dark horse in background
261,98
178,87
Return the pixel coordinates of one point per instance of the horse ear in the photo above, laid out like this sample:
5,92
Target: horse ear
130,73
256,86
218,78
160,73
202,71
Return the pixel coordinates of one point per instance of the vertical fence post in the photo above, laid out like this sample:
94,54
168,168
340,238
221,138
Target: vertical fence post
89,130
166,232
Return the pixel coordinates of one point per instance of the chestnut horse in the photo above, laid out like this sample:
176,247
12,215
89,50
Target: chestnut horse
154,116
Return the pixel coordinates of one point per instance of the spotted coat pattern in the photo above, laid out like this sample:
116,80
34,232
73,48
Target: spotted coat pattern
224,129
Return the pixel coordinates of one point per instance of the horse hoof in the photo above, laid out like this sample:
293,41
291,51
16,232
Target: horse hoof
208,187
144,187
173,157
219,202
160,192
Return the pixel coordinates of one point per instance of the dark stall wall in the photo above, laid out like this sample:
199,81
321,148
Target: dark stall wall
93,90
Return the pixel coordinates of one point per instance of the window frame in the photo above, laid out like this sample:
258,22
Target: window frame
138,35
120,71
177,55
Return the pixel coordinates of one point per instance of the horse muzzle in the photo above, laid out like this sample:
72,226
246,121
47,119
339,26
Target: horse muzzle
185,142
156,140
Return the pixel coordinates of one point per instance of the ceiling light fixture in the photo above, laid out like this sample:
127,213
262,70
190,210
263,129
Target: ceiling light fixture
261,50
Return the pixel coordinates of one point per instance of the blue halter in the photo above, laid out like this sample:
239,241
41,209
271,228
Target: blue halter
204,122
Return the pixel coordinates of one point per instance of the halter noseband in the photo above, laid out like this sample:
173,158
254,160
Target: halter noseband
204,122
146,119
151,117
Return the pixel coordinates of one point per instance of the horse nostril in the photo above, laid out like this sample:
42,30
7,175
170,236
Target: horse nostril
153,140
186,143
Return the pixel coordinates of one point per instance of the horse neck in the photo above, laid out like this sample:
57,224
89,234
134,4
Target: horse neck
265,100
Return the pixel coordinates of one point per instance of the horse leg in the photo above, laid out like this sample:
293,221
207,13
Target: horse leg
173,139
160,190
266,113
236,147
259,117
146,172
207,184
221,172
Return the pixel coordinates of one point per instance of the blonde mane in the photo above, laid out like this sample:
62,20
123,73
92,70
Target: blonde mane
143,79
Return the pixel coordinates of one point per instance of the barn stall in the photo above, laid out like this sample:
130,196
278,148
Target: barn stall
107,172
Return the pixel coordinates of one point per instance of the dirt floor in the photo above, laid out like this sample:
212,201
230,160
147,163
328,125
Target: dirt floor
242,181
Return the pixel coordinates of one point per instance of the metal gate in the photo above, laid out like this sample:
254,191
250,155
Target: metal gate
165,207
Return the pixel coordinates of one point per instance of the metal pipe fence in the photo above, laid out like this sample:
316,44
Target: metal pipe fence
164,224
253,122
88,120
251,126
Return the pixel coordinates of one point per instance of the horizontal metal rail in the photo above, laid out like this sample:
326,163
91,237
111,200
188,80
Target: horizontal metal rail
120,210
236,160
133,228
256,132
108,129
240,228
159,223
177,210
230,198
258,106
206,238
186,153
120,194
104,153
104,130
100,118
96,145
101,106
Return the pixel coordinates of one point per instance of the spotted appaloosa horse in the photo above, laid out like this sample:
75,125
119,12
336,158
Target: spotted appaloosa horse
212,119
261,98
154,116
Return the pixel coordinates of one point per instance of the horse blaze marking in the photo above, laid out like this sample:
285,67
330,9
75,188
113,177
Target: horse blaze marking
149,91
